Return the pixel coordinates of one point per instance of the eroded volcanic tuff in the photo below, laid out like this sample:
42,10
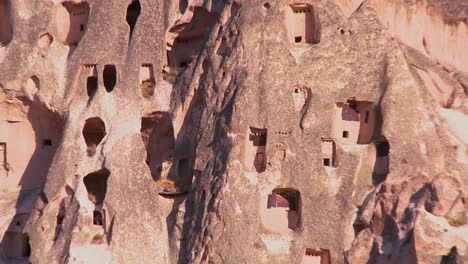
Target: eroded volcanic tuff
233,131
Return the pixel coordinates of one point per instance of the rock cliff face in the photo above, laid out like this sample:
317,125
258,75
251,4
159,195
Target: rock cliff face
204,131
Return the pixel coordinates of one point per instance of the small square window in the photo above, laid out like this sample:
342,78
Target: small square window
345,134
326,162
298,39
81,27
47,142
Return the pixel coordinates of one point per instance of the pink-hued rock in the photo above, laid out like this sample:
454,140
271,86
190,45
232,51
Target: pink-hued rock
186,34
353,126
435,28
394,198
430,27
362,247
431,213
438,88
45,40
348,6
448,188
25,162
71,21
209,131
72,1
434,237
195,3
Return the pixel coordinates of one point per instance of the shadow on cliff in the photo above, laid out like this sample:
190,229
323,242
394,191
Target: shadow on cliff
43,122
15,244
209,184
186,147
382,145
47,127
183,6
212,137
398,234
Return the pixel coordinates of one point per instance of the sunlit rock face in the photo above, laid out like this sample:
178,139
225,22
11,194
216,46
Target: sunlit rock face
438,29
71,21
201,131
30,134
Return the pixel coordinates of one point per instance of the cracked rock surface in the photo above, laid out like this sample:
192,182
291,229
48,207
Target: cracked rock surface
233,131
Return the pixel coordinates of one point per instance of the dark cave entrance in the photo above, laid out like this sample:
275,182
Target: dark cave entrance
133,12
94,131
110,77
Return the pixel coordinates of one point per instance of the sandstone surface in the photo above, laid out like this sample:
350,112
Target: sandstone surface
233,131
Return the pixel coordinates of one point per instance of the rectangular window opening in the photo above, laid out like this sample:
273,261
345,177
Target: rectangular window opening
47,142
259,159
326,162
258,136
298,39
81,27
3,157
366,119
345,134
97,218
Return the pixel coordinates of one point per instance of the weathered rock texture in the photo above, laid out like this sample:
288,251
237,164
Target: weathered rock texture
233,131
